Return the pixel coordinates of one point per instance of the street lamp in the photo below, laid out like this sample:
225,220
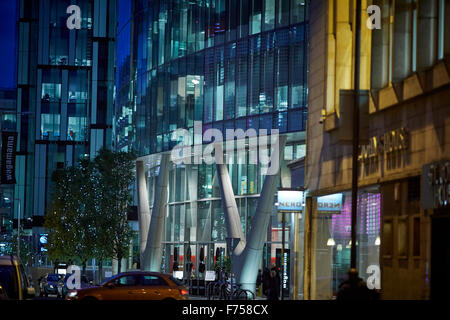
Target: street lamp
18,228
355,134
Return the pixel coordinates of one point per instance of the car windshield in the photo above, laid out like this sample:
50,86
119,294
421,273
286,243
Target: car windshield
176,281
107,280
53,277
8,281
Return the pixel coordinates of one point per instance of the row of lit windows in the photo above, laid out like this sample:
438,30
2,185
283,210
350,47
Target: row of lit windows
178,28
264,75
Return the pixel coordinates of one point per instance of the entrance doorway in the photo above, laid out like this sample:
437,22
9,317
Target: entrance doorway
440,255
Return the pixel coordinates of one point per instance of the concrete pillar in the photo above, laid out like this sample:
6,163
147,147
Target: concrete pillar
426,34
248,263
143,215
402,40
230,210
156,232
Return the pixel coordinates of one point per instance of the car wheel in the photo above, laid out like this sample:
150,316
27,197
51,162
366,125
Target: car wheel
169,299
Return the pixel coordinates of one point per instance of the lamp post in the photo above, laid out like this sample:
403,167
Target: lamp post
355,133
18,228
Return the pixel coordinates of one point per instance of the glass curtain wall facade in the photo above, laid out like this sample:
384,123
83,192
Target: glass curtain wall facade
65,92
225,64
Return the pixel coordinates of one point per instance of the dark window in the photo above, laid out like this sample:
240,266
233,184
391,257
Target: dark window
153,281
127,281
416,244
387,238
8,281
414,188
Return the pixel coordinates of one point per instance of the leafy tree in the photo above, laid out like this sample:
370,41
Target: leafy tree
115,176
68,220
88,215
10,242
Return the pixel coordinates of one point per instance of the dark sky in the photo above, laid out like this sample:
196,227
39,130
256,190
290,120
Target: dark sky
8,34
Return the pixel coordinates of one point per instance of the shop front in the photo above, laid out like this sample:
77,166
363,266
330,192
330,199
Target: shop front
436,199
330,223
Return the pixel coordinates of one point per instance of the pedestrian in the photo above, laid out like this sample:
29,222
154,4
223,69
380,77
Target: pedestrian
265,280
259,281
273,291
354,288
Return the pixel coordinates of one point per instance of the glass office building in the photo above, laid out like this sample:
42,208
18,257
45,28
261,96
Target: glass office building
226,64
65,93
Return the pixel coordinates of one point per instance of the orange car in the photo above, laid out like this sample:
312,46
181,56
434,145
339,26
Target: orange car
137,285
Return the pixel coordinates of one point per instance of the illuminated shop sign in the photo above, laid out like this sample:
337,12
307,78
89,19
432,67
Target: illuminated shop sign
42,242
436,185
386,144
290,200
330,203
285,269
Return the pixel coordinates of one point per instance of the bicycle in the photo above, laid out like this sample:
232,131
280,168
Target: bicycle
242,294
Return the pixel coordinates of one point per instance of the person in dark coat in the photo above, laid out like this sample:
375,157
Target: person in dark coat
258,280
265,280
354,288
273,291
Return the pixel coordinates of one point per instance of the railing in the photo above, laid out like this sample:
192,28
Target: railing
220,291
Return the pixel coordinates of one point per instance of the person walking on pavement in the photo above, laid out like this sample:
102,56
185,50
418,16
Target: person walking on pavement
265,280
354,288
273,291
259,281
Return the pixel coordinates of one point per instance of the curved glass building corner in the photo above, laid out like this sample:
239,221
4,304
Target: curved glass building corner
222,64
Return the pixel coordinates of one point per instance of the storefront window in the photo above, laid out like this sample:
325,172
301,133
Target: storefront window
332,240
204,221
219,231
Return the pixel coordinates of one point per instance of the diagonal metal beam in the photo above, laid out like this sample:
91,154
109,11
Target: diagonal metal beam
155,235
144,215
248,262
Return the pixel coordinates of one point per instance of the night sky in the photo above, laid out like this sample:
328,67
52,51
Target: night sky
8,33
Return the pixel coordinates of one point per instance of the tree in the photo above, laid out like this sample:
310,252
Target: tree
10,245
115,176
68,219
88,215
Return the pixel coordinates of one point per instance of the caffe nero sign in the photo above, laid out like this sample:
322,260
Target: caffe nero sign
9,145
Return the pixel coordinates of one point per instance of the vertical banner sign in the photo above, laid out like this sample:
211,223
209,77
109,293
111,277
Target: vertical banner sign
9,145
286,271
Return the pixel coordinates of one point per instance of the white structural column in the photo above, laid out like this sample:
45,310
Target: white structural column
230,210
158,215
249,261
143,215
247,255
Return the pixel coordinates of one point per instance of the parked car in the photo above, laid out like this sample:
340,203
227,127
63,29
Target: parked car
49,284
14,284
136,285
63,289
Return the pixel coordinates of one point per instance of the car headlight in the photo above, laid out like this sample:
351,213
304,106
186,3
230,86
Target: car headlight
72,294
